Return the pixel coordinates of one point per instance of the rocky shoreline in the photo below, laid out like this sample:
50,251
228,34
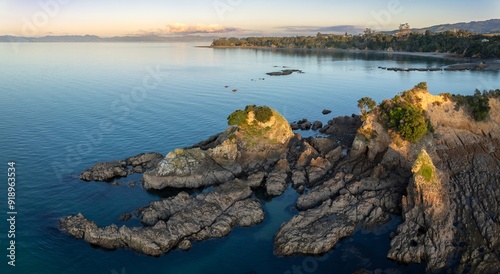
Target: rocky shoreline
472,66
451,220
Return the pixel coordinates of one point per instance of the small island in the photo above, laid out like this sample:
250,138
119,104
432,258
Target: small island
432,159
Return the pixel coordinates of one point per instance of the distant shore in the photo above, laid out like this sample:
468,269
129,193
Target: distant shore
421,54
463,63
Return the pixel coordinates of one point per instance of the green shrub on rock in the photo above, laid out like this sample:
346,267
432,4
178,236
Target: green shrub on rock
239,117
404,114
477,104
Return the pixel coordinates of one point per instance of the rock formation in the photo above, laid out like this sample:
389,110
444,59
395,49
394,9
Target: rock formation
176,221
108,171
446,186
248,145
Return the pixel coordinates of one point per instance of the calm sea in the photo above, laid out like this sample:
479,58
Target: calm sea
66,106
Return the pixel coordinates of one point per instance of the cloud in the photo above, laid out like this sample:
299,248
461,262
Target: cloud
179,28
330,29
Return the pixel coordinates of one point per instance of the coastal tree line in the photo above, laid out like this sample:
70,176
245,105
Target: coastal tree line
460,42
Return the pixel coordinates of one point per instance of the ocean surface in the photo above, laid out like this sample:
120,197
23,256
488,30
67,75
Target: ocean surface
67,106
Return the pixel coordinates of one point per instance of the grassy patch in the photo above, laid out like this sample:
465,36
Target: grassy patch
239,117
426,172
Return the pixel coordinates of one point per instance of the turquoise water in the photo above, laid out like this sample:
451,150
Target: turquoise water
66,106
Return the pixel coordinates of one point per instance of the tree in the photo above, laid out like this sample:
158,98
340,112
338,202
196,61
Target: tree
368,31
404,29
364,104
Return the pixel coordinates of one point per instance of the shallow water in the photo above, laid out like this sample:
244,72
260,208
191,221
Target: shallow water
66,106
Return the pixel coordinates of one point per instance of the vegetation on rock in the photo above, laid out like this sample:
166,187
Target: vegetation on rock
258,123
405,115
239,117
364,104
477,105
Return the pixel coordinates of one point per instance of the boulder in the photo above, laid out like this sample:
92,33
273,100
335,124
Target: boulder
317,125
105,171
305,125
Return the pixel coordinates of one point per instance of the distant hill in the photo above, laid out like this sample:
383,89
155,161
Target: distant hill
93,38
482,27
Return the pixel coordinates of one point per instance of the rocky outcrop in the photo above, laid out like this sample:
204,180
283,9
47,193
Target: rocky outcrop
343,129
333,209
245,148
277,180
175,222
108,171
188,168
446,186
427,233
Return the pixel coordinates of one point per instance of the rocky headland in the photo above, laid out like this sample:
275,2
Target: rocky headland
444,184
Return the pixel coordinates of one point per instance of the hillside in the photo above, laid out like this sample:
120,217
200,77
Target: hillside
481,27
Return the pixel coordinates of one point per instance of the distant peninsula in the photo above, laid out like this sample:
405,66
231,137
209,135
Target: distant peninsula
461,43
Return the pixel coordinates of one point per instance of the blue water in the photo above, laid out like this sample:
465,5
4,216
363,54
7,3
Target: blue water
64,107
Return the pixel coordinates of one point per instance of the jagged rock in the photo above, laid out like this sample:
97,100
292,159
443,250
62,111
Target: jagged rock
323,145
189,168
298,178
277,179
326,111
185,245
342,129
105,171
317,230
306,155
108,171
319,194
255,180
125,217
145,160
174,221
317,169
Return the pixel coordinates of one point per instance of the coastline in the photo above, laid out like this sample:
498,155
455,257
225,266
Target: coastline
441,55
463,63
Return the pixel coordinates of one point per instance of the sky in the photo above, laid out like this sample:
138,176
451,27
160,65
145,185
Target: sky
106,18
